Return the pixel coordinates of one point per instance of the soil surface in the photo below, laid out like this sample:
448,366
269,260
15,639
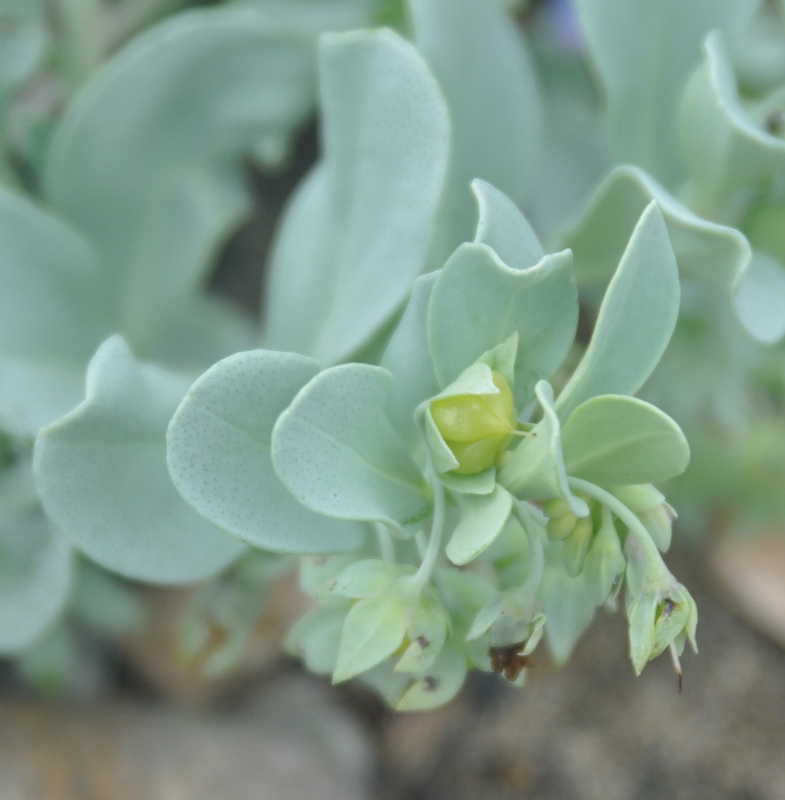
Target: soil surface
589,731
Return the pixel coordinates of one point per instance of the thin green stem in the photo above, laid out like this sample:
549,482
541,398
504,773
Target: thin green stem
433,550
636,527
524,513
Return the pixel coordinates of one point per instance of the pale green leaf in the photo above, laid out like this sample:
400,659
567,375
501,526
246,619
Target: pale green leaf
36,573
23,40
146,159
503,228
725,148
337,453
535,469
479,302
617,441
759,301
374,629
712,253
644,52
101,471
368,206
636,319
52,315
442,681
218,449
482,518
408,359
482,64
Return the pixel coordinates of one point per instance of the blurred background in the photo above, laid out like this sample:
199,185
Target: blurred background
126,717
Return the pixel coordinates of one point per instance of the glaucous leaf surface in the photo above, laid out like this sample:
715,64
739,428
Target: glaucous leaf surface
568,605
408,359
759,301
472,46
337,453
146,158
318,16
503,228
374,629
478,302
535,470
101,472
644,52
636,319
712,253
368,206
52,315
616,441
725,148
36,564
440,684
218,450
482,518
23,41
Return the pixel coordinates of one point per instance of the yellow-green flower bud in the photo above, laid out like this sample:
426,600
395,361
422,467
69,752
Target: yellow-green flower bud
477,427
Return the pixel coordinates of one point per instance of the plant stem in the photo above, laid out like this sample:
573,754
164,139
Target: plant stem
525,515
433,550
636,527
386,546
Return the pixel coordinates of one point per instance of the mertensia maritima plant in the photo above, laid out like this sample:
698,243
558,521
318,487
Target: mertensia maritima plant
419,424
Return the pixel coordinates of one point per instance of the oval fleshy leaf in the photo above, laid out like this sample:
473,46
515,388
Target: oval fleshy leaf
36,566
218,450
479,302
613,440
440,683
146,160
711,253
369,206
535,469
51,315
503,228
481,521
101,471
471,46
759,301
408,359
374,629
644,53
636,319
336,452
724,147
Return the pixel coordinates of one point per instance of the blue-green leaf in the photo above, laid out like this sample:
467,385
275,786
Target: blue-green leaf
482,64
503,228
644,52
478,302
218,449
101,471
481,520
725,148
36,565
712,253
408,359
617,441
636,319
52,315
337,453
146,160
368,206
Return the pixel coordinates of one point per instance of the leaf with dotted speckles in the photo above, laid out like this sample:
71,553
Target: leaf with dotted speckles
101,473
358,231
219,455
336,451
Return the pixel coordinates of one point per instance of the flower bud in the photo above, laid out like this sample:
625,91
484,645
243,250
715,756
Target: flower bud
605,561
576,546
477,427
